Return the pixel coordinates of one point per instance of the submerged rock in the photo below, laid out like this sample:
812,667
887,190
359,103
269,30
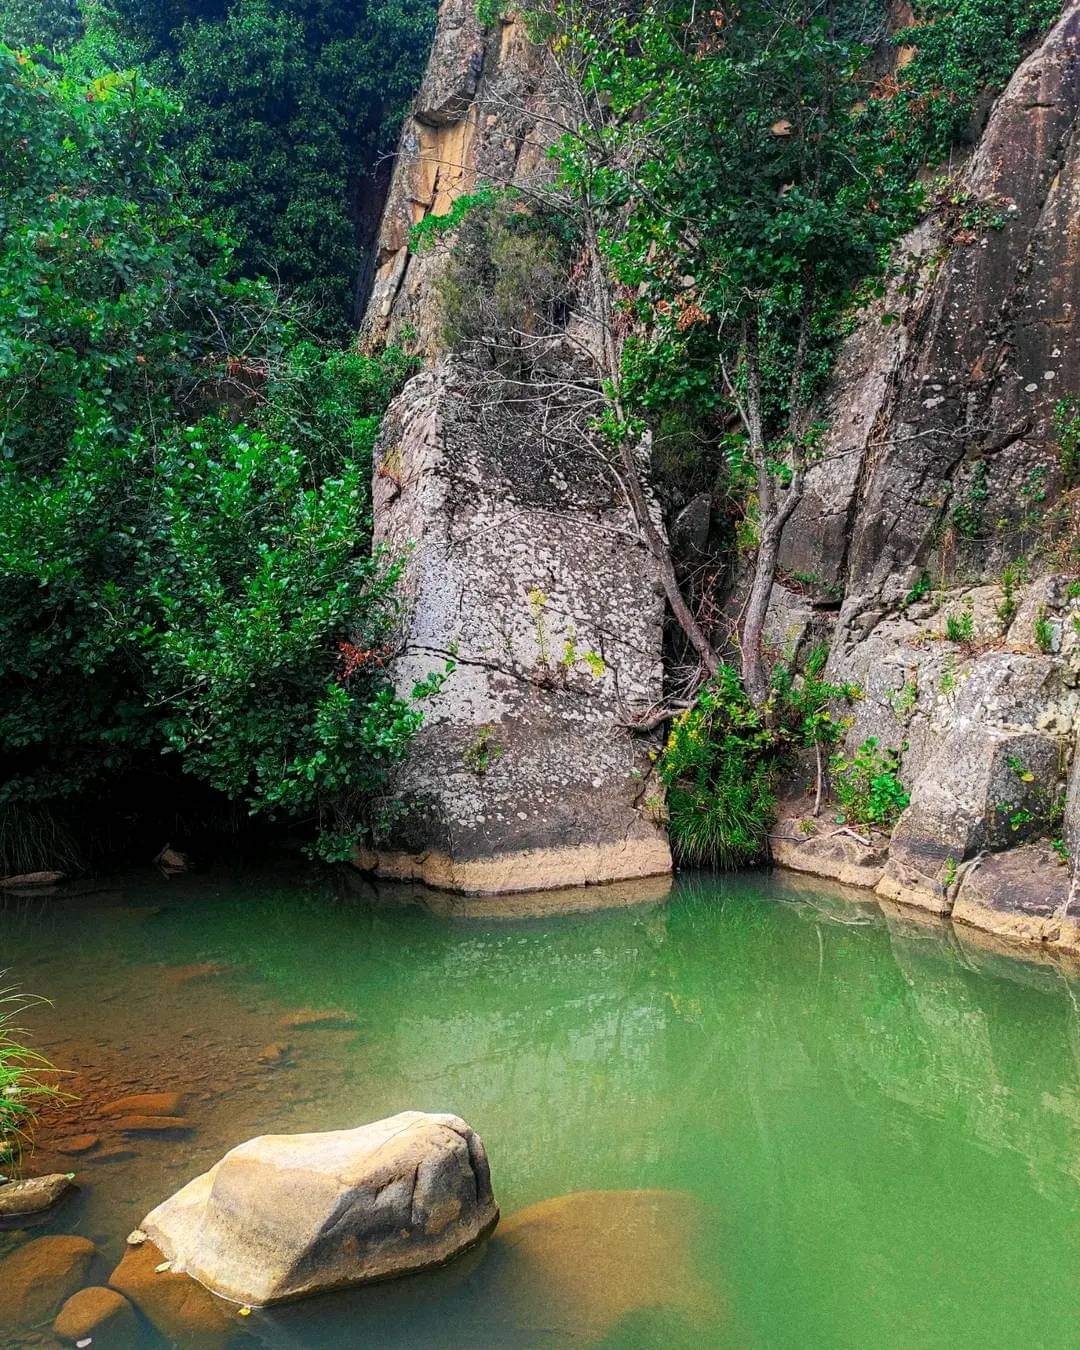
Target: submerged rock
577,1266
324,1019
173,1125
181,1310
147,1104
35,1280
282,1216
77,1143
31,879
33,1195
97,1314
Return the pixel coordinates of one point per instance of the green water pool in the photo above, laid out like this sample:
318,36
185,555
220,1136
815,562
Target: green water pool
873,1122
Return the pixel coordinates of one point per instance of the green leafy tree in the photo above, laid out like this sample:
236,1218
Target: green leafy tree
742,196
288,106
51,24
184,513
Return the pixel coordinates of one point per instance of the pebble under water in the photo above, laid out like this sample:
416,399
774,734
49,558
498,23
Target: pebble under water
740,1112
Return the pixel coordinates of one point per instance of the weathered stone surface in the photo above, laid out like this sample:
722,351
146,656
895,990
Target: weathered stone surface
36,1279
965,801
526,569
181,1310
1021,894
33,1195
283,1216
984,349
950,406
101,1315
805,843
483,115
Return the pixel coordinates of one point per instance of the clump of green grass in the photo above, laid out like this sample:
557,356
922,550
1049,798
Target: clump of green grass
27,1079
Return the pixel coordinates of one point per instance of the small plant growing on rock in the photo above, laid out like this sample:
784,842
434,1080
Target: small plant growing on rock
919,591
571,658
1044,631
537,605
1006,608
948,874
1067,426
960,627
868,785
482,752
904,699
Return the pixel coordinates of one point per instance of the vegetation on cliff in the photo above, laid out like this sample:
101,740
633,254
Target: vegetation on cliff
733,180
184,499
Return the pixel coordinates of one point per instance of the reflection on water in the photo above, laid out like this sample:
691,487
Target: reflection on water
866,1126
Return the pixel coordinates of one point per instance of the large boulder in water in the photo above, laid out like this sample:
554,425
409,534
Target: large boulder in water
287,1215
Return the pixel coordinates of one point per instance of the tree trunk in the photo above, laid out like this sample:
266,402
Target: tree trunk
754,679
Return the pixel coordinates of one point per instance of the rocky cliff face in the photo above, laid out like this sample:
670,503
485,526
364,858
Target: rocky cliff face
523,568
942,467
484,114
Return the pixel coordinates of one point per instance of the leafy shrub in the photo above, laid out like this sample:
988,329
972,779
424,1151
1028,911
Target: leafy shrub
719,777
722,756
184,501
252,580
867,785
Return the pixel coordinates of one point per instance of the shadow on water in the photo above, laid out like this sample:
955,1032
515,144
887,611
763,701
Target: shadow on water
811,1122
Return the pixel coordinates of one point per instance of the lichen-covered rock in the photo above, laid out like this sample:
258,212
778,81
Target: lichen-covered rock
954,405
983,789
1022,894
283,1216
523,568
942,462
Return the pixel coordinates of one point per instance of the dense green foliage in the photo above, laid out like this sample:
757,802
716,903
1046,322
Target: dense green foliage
867,785
962,52
286,107
184,511
723,757
719,773
51,24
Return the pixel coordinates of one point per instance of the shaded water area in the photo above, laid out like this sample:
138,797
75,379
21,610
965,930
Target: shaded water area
851,1128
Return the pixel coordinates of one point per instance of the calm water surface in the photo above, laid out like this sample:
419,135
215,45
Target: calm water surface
863,1129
